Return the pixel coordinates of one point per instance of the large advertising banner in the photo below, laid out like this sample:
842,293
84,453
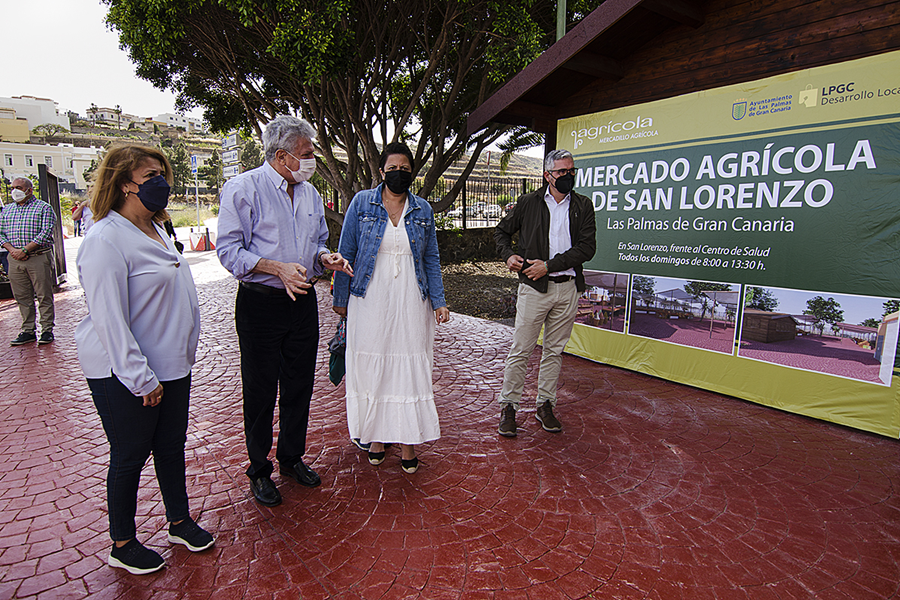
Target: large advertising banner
748,240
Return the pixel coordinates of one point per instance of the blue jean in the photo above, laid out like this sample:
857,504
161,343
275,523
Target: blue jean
134,431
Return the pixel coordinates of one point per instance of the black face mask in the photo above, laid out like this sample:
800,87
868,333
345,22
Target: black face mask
153,193
398,181
565,183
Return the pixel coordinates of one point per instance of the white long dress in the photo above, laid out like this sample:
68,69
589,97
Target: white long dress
390,351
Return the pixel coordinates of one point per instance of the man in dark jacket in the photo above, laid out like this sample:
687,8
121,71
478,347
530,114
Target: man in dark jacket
557,234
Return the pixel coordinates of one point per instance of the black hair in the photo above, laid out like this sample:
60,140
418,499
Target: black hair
397,148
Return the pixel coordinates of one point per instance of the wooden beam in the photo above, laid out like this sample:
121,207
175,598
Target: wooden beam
595,65
532,110
598,21
679,11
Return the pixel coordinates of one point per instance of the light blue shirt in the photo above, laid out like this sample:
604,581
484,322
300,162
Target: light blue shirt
143,318
258,220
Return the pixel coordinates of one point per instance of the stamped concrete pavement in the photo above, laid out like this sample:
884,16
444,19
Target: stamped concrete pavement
652,490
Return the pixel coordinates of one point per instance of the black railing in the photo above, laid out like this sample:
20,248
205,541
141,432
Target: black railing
481,202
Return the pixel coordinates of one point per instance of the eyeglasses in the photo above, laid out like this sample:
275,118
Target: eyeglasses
561,172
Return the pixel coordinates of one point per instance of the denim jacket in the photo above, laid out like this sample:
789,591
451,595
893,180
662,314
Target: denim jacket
364,226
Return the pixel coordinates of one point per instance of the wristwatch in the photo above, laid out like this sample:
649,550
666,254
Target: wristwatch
26,252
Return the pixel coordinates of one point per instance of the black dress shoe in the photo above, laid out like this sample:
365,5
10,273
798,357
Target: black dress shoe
303,474
265,491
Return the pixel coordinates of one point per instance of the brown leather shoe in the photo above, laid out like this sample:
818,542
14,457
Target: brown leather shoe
544,414
508,421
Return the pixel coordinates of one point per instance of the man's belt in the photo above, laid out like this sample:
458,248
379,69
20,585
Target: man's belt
561,278
262,289
37,252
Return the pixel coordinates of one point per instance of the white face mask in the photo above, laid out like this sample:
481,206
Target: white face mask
18,195
306,169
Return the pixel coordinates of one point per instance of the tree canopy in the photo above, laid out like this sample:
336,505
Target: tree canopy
359,70
181,166
696,289
824,311
251,154
211,173
643,285
49,130
761,299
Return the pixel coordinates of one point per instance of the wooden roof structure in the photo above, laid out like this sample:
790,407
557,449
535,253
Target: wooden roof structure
628,52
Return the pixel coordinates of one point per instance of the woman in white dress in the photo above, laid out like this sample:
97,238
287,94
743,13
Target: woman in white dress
392,303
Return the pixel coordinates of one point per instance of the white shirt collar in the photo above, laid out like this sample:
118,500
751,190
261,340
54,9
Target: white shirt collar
548,196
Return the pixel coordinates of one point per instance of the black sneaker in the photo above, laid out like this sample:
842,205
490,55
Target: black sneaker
191,535
508,421
46,338
135,558
24,338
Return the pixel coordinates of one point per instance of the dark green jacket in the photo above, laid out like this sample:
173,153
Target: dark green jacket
531,219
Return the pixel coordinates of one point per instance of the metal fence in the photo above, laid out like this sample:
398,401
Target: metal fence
481,203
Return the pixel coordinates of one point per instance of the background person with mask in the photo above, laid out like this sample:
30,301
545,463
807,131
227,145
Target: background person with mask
391,304
26,232
557,233
271,237
137,346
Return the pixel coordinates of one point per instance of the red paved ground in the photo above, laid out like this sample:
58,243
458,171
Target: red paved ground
652,490
824,354
686,332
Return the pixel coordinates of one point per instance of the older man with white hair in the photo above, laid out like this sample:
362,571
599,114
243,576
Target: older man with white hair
272,237
26,232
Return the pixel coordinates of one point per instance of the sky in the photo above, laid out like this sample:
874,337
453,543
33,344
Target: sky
856,308
793,302
62,50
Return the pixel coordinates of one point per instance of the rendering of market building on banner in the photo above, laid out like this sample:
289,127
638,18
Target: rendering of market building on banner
742,160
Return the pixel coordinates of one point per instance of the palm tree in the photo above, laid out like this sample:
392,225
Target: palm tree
93,112
118,111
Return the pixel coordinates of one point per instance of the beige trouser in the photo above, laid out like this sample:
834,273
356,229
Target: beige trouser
555,312
30,278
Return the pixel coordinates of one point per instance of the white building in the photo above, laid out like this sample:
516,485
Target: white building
66,161
190,124
38,111
109,116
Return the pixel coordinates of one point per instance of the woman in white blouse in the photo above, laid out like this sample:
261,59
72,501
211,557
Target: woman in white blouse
137,345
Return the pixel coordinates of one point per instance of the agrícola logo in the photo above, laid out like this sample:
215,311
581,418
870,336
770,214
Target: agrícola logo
612,132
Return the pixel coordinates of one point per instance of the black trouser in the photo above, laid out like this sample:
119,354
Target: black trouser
279,340
134,432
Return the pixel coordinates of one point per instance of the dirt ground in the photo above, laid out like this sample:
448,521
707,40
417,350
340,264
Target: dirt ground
483,289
